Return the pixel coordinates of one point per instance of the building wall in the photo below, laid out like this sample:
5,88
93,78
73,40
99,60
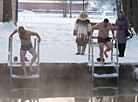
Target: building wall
48,6
1,10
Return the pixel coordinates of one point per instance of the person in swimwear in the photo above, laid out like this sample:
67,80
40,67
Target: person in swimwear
26,45
103,37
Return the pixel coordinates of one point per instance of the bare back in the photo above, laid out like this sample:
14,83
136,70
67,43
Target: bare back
25,38
103,31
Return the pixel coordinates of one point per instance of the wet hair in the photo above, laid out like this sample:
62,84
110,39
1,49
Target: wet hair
121,11
21,28
106,20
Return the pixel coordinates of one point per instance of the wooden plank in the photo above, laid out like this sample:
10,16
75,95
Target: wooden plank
113,75
36,76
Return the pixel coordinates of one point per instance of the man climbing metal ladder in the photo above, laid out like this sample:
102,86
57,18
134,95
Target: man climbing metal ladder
103,37
26,45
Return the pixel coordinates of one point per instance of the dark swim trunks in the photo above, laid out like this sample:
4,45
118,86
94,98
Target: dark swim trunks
103,40
27,47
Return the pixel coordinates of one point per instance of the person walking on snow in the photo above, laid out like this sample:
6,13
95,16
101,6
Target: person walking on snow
103,37
82,32
121,25
25,38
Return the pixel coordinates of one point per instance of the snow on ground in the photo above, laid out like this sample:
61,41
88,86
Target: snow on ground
58,43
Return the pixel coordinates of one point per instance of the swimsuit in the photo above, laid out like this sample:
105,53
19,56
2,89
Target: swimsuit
103,40
26,47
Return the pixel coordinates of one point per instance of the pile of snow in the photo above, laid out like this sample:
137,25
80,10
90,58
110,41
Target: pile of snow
26,12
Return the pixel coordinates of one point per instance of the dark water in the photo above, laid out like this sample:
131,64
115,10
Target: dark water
67,83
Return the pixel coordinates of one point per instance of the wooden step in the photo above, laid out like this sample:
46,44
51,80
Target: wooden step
36,76
18,64
106,64
97,88
113,75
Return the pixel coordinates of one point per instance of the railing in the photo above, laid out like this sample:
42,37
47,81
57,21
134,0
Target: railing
35,40
10,53
92,55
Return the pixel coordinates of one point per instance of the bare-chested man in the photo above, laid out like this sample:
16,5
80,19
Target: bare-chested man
103,37
25,38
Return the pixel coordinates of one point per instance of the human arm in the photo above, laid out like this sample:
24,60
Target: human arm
121,27
127,23
14,32
116,25
37,35
112,30
91,35
92,30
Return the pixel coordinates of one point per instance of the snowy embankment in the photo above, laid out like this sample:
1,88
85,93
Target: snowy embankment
58,43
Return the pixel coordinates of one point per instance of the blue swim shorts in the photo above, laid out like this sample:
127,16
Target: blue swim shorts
27,47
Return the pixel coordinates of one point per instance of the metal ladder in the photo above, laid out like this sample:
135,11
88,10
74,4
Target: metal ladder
112,95
12,64
93,64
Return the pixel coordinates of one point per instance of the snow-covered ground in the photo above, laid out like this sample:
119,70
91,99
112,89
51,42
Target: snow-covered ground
58,43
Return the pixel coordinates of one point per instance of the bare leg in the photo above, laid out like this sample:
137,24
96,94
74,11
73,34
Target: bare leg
109,47
83,48
22,59
79,48
34,54
101,46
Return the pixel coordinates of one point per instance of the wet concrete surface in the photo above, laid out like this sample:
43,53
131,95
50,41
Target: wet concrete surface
67,83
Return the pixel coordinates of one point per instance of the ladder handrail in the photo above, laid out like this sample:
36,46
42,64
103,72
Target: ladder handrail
89,50
37,52
117,56
92,60
10,53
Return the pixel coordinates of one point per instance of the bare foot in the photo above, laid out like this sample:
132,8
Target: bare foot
105,55
25,75
102,64
30,68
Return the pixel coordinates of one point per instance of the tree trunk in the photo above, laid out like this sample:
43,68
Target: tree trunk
64,8
130,8
7,10
134,13
118,5
70,8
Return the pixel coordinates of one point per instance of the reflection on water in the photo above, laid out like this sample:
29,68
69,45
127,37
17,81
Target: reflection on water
24,95
68,88
76,90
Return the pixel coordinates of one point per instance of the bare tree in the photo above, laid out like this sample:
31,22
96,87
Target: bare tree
130,7
64,7
70,8
7,10
118,6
